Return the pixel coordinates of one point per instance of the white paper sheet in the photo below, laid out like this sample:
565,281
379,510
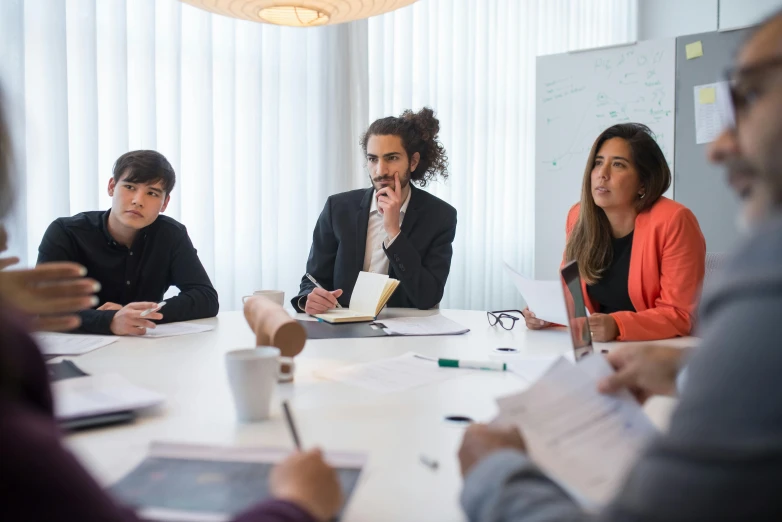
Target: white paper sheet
713,111
530,368
583,439
52,343
393,375
99,394
545,298
173,329
425,325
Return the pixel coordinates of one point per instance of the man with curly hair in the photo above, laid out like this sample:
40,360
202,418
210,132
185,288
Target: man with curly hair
391,228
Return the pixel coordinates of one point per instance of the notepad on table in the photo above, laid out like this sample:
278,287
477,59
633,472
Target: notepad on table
213,483
370,295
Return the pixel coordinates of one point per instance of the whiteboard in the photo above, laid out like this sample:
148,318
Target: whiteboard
578,96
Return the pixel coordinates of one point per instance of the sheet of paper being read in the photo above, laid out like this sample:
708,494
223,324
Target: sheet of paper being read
545,298
584,440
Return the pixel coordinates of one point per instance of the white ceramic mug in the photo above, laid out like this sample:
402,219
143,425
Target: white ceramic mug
276,296
252,376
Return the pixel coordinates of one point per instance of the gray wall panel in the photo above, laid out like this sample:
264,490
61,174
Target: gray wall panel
697,184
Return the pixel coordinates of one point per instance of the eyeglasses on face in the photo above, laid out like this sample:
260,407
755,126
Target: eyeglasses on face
504,318
750,84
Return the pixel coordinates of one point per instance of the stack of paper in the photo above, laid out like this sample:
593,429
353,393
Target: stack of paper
581,438
70,344
99,394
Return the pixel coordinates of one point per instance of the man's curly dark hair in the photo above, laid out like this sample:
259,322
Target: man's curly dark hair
419,133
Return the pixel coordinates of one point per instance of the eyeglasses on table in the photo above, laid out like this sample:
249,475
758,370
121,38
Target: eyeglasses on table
504,318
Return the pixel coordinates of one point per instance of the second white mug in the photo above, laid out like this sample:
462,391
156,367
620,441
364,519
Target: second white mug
276,296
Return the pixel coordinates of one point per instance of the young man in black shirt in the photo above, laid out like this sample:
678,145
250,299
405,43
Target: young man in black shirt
133,252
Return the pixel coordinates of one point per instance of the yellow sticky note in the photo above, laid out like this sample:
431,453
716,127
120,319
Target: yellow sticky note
707,95
694,50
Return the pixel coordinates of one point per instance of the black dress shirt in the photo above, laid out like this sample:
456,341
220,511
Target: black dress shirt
161,256
611,292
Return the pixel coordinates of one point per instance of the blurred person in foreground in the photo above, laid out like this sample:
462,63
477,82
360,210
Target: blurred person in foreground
722,456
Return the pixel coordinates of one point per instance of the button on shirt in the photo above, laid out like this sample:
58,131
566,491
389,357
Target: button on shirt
161,256
375,259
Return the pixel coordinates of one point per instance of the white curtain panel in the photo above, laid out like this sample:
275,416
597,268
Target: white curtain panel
473,61
262,123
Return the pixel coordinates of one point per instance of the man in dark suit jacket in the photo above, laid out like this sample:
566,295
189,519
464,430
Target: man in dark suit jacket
391,228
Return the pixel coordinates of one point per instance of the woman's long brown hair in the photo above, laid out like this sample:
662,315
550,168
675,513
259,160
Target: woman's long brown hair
590,241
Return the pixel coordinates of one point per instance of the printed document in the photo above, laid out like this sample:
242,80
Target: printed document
583,439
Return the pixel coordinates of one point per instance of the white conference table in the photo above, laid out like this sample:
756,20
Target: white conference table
394,430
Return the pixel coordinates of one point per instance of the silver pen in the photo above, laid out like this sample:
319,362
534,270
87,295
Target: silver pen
319,286
148,311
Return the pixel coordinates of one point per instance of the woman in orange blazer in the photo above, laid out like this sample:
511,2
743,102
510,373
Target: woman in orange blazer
641,256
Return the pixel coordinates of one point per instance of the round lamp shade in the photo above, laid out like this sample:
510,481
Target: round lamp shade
299,13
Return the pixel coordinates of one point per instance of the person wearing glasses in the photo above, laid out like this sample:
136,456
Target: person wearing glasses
641,256
391,228
721,458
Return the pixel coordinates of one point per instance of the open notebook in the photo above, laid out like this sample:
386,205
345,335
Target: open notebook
370,295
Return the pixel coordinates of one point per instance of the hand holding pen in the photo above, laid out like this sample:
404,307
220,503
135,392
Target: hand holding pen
321,300
306,479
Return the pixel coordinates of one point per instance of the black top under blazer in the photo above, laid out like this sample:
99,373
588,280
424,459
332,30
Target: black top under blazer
420,257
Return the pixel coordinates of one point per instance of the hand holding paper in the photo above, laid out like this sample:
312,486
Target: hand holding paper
544,298
583,439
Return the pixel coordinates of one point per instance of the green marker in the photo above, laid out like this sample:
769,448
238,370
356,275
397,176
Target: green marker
474,365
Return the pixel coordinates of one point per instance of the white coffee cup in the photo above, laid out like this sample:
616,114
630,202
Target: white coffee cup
252,375
276,296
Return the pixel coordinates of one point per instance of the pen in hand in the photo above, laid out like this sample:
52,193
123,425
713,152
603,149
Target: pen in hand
148,311
291,425
314,282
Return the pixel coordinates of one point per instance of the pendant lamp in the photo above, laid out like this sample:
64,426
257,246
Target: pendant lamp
299,13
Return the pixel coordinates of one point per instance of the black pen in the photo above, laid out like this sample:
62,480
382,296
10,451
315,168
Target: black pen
291,425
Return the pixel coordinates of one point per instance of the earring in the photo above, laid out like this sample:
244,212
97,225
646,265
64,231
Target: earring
642,195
